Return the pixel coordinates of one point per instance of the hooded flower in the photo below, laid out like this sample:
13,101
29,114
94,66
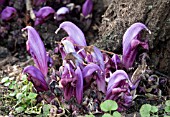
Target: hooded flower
87,8
119,89
37,50
72,81
8,13
75,34
43,14
94,71
131,40
60,14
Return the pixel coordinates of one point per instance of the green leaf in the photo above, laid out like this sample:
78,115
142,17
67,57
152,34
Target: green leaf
11,86
7,84
145,110
19,96
107,115
167,109
116,114
167,103
5,79
32,95
154,109
19,109
108,105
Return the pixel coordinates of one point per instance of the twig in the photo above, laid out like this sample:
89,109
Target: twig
105,51
30,10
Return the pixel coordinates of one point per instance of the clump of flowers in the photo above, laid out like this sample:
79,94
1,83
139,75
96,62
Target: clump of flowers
83,65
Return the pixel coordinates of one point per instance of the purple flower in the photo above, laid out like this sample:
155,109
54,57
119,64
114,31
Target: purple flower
131,40
43,14
37,78
119,89
94,71
60,14
8,13
37,50
72,82
75,34
94,55
116,60
87,8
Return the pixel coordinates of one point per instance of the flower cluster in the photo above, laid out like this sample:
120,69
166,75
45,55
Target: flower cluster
84,64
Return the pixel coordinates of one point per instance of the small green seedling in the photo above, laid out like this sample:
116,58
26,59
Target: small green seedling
167,106
21,93
147,110
109,106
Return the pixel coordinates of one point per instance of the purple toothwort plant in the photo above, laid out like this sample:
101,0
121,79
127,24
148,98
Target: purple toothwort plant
118,89
35,47
61,13
87,8
71,75
43,14
72,82
75,34
8,13
131,40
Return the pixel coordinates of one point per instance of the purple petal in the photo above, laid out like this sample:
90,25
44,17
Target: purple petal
44,12
101,84
129,43
79,85
87,7
90,69
37,78
117,76
74,33
38,21
37,50
99,57
115,79
100,80
60,14
116,60
49,60
8,13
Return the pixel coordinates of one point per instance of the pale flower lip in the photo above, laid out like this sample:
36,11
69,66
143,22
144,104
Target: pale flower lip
8,13
62,11
131,40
